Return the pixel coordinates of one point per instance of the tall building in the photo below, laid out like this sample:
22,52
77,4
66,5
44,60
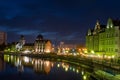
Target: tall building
42,45
3,38
104,38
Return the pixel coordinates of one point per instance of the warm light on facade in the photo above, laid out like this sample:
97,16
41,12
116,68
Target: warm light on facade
42,45
47,51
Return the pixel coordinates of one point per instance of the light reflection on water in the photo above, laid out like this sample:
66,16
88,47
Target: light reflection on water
52,70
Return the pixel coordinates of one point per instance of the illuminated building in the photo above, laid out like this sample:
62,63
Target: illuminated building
3,38
105,39
42,45
20,44
28,46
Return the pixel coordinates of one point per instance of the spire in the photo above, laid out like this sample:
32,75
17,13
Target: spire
89,32
109,23
97,26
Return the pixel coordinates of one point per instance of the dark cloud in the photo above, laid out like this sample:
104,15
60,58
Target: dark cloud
62,20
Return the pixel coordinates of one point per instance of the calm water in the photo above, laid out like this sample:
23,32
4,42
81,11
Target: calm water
25,68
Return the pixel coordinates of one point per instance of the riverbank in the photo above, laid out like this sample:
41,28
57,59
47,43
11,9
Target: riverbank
76,60
71,59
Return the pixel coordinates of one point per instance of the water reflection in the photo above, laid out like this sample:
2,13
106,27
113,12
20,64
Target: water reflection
38,65
46,66
42,66
2,64
54,70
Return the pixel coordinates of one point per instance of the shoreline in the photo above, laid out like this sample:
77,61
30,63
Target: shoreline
77,60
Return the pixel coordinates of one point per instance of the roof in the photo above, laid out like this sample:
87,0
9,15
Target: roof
39,36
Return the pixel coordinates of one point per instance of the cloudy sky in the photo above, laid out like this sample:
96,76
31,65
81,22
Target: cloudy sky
57,20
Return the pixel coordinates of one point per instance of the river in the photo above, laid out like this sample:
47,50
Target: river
26,68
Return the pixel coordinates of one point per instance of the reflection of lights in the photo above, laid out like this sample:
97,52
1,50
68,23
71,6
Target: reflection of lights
70,68
18,62
11,57
26,59
73,69
52,64
65,66
66,69
82,72
47,63
8,58
77,71
32,62
84,77
36,62
58,65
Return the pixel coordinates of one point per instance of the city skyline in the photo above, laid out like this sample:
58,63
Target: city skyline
61,20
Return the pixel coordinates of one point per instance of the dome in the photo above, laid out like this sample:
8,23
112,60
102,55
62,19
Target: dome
39,36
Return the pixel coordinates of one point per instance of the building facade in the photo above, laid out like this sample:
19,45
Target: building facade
42,45
3,38
104,39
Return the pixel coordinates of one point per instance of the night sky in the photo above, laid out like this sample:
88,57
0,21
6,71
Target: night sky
57,20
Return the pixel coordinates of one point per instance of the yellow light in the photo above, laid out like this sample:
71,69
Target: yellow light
92,52
77,71
113,56
58,65
85,51
47,51
82,72
84,77
66,69
26,59
73,69
47,63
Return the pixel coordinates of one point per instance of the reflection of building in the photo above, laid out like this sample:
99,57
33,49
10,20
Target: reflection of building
104,38
3,37
41,66
42,45
47,66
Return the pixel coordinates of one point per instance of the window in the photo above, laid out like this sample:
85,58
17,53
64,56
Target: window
109,49
106,49
116,35
107,36
116,50
116,42
112,35
112,49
